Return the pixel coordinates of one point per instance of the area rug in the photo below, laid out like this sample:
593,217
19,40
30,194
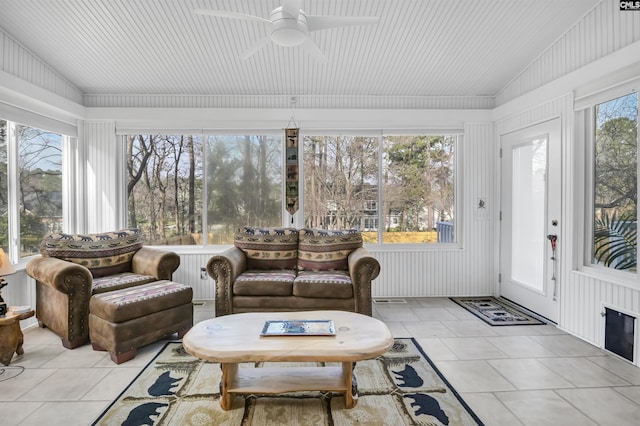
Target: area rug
495,312
401,387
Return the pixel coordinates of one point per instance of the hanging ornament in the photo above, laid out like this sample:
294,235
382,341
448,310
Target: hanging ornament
293,179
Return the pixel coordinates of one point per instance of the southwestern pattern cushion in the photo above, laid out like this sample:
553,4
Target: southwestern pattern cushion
118,281
103,254
322,250
135,302
268,248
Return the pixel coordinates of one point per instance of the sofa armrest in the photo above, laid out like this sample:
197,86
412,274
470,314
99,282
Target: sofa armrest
224,268
363,268
66,277
158,263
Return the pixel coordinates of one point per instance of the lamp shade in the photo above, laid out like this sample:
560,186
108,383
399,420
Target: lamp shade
6,267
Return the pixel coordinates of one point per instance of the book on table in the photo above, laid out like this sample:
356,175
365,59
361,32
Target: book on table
298,328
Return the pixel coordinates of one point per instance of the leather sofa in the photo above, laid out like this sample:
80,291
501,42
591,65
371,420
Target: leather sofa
74,267
286,269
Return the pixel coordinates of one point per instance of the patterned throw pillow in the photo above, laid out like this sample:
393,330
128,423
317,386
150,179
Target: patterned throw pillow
104,254
268,248
321,250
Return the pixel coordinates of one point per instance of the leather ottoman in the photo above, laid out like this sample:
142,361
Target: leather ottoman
122,320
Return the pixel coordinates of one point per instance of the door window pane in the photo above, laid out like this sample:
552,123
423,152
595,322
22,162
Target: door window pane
528,206
616,183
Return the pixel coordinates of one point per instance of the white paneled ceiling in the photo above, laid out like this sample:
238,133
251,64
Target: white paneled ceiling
418,48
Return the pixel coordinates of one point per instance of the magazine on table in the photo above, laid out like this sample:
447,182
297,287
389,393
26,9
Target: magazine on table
299,328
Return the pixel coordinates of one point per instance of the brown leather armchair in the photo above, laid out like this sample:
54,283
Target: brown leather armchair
73,267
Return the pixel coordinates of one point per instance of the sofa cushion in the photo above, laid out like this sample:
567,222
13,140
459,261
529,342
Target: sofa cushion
119,281
103,254
323,284
321,250
264,283
268,248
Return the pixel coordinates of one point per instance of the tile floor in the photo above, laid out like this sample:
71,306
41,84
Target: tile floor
517,375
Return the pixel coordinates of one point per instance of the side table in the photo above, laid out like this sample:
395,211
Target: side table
11,337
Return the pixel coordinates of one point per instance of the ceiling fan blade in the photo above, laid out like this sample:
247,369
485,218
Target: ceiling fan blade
317,22
255,48
312,49
292,7
232,15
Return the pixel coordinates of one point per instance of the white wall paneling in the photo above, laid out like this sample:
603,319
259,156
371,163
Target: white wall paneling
103,176
284,101
16,60
189,273
604,30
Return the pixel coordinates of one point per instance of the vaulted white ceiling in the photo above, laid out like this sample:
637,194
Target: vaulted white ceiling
418,48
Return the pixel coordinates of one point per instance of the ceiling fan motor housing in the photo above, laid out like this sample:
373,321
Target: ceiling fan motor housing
287,30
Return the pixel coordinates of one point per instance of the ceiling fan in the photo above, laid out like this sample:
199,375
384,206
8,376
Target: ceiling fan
289,26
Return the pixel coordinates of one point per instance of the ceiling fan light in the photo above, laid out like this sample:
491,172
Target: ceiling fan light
287,36
286,30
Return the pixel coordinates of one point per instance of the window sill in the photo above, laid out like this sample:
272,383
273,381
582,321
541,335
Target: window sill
619,278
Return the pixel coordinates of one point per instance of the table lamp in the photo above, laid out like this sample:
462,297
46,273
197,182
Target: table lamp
6,268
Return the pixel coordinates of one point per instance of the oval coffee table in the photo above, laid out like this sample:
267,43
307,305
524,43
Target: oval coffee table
234,339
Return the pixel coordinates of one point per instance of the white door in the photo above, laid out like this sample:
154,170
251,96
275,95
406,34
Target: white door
531,199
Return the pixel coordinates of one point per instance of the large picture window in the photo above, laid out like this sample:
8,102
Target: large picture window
407,197
171,178
394,188
615,183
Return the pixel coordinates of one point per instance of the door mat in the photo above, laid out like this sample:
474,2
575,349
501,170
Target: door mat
495,312
400,387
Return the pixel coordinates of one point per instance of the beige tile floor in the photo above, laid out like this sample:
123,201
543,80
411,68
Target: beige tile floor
517,375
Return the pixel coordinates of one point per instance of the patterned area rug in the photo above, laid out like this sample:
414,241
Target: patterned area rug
401,387
494,312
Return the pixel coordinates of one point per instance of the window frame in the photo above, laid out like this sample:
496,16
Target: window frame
13,158
585,126
298,219
459,135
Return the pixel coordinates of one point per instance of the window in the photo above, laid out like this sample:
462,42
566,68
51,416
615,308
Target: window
37,192
4,188
340,180
417,190
419,187
615,183
164,188
197,190
244,184
170,178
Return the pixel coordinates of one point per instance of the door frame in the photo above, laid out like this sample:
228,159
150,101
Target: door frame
553,212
